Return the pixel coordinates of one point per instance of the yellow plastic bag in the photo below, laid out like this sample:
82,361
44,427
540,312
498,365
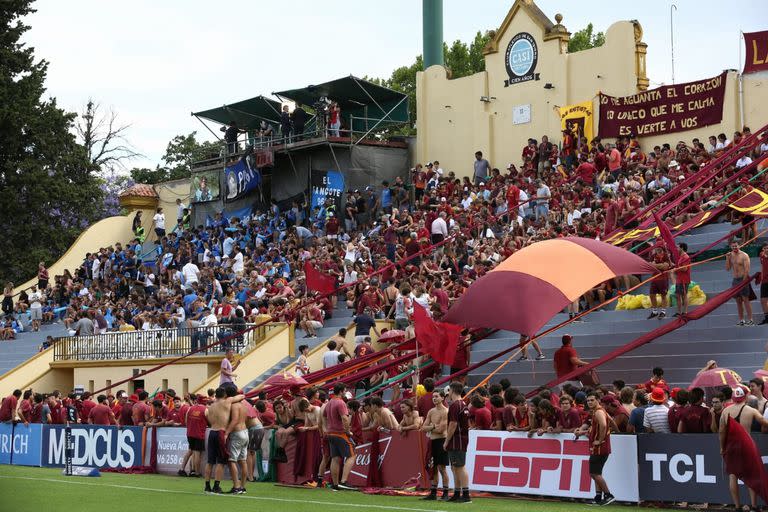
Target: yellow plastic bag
627,302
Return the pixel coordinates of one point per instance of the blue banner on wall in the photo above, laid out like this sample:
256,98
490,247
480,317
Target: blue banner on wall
20,445
244,214
94,446
326,184
240,179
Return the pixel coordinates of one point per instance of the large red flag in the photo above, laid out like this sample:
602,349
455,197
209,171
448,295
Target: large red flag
317,281
669,240
756,58
742,459
438,339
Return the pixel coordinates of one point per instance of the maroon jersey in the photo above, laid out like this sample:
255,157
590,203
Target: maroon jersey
196,422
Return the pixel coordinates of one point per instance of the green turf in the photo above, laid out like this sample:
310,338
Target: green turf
42,489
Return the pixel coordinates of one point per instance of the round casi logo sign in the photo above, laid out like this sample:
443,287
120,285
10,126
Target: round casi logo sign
521,58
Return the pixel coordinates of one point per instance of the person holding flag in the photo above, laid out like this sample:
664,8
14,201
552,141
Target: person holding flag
682,279
741,456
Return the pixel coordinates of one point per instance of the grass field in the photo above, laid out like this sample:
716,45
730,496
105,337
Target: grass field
41,489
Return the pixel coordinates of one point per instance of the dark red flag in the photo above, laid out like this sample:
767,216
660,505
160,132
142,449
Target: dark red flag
438,339
669,240
742,459
317,281
756,58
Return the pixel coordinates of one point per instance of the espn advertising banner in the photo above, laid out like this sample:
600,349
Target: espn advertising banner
548,465
686,467
94,446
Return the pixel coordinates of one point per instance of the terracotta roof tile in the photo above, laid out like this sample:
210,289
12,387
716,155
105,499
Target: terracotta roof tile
139,190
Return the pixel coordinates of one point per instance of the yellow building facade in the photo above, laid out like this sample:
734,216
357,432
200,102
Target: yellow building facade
530,76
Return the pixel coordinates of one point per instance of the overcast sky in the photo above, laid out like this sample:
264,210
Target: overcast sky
154,62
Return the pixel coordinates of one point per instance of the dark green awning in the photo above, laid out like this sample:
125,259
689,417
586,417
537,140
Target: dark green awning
356,97
247,113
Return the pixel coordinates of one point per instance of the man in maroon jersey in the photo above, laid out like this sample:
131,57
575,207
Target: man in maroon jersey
141,410
456,441
196,424
599,447
101,413
85,407
8,407
126,410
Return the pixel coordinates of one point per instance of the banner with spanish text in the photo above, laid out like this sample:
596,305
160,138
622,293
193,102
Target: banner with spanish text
668,109
578,119
756,58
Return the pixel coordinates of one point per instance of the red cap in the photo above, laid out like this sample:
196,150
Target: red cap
674,392
133,398
657,395
202,399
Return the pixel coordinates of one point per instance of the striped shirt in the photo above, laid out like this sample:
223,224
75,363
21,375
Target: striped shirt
657,418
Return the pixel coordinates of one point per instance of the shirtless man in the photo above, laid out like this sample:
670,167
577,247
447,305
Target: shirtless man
324,446
411,419
218,414
341,342
383,418
435,425
237,443
255,438
737,261
745,415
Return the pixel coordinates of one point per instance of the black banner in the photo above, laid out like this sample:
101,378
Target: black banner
686,467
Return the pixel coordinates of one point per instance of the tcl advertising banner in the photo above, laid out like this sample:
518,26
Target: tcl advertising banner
686,467
756,58
94,446
668,109
548,465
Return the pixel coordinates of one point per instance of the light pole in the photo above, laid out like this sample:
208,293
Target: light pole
672,39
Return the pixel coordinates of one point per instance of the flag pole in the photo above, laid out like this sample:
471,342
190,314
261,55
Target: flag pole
741,84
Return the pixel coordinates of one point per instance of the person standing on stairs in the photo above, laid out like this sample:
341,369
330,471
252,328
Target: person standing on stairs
737,262
659,284
682,280
763,282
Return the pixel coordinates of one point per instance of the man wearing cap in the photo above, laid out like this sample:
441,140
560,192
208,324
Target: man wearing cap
566,360
745,416
656,418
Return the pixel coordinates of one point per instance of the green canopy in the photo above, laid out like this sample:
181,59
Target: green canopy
247,113
369,103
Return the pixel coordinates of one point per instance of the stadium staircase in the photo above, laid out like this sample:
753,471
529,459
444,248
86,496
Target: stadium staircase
682,353
342,317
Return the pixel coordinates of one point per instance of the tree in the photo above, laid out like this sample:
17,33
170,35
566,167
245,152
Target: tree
585,39
462,60
182,151
48,191
476,57
149,176
104,137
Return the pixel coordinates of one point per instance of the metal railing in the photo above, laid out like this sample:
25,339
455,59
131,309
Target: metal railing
312,131
155,343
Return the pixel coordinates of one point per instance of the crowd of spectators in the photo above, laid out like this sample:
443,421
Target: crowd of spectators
240,271
244,268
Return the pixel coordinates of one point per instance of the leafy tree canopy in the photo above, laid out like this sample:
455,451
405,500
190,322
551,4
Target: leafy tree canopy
48,188
585,39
